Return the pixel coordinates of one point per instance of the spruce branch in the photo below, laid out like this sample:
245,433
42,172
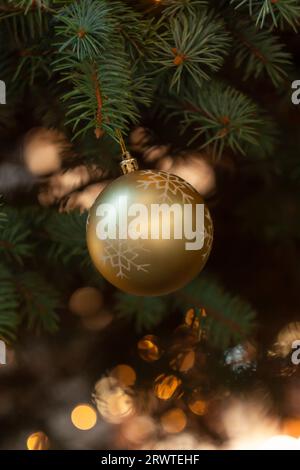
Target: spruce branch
38,302
222,115
258,52
104,95
229,318
15,243
83,28
9,318
176,7
279,12
144,312
195,46
26,19
66,233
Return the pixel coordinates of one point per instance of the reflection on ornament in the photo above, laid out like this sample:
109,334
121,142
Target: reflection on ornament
197,404
166,385
285,339
98,322
183,360
86,301
173,421
84,417
149,349
136,252
113,402
43,150
138,430
38,441
124,374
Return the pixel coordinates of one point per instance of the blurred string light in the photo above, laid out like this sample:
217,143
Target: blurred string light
86,301
84,417
173,421
124,374
149,348
38,441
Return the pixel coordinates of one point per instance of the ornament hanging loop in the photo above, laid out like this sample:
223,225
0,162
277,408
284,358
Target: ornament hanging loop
128,163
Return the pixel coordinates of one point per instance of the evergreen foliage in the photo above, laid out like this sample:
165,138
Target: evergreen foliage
96,66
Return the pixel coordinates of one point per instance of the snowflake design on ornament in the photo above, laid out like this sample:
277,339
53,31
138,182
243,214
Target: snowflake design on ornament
123,257
208,234
168,185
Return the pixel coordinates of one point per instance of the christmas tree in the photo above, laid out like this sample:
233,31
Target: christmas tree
200,89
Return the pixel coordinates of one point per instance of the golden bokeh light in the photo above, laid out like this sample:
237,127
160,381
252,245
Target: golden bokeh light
97,322
166,385
174,421
291,427
149,349
38,441
183,361
197,403
86,301
138,430
124,374
84,417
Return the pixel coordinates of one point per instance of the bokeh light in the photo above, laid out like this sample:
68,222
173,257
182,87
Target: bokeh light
84,417
38,441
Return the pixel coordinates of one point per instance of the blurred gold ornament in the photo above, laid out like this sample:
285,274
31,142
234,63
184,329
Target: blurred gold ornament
285,339
174,421
149,349
43,150
132,245
197,403
124,374
183,360
86,301
38,441
114,403
97,322
84,417
166,386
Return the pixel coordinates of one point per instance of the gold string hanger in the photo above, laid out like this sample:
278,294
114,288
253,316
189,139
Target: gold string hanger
128,163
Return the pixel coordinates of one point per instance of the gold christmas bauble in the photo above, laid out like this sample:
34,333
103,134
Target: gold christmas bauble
86,302
149,233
